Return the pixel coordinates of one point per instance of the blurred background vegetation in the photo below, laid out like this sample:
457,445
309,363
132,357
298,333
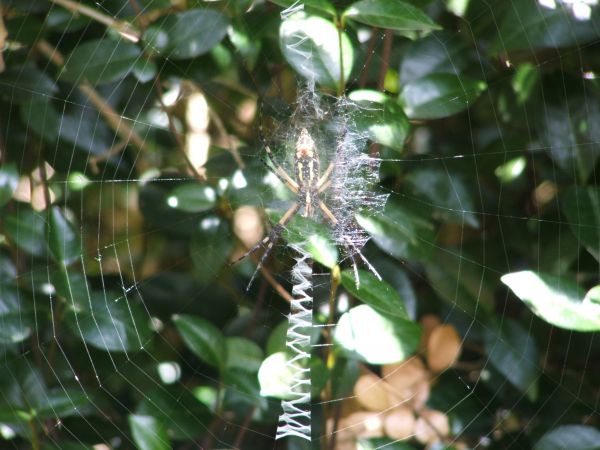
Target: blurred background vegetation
132,173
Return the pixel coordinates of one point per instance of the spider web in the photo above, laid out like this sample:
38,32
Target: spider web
98,353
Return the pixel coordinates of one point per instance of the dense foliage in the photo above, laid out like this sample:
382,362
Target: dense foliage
132,173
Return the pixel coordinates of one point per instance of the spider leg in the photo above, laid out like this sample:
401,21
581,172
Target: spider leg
324,181
352,249
268,242
281,173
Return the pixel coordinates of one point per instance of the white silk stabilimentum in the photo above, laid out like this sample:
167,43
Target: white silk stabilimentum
295,419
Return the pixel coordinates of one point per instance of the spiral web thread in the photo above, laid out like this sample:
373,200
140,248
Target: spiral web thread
296,417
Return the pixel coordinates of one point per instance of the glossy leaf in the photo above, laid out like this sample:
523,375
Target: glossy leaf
210,247
450,198
581,205
513,352
148,433
401,232
558,301
203,338
20,84
107,321
16,324
381,118
62,402
63,242
100,61
374,338
242,354
312,47
193,198
9,179
392,14
530,25
572,437
439,95
375,293
187,34
26,229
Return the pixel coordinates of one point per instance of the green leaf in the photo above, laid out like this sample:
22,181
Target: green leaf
62,402
319,5
242,354
385,443
16,323
9,179
369,336
63,242
100,61
401,232
311,45
210,247
529,26
381,118
440,52
41,117
462,281
581,205
188,34
25,83
375,293
276,341
23,387
148,433
392,14
184,416
107,321
512,351
26,229
439,95
451,199
192,197
203,338
572,144
557,300
571,437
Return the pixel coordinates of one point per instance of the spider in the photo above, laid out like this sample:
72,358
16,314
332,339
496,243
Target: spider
308,185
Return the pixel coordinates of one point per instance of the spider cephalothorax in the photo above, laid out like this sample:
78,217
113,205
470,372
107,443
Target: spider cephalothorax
306,165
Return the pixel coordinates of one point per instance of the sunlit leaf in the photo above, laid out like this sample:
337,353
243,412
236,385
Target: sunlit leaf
557,300
312,46
243,354
374,338
381,117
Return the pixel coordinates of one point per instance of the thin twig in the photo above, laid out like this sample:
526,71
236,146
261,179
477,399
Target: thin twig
388,37
370,51
114,119
123,28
